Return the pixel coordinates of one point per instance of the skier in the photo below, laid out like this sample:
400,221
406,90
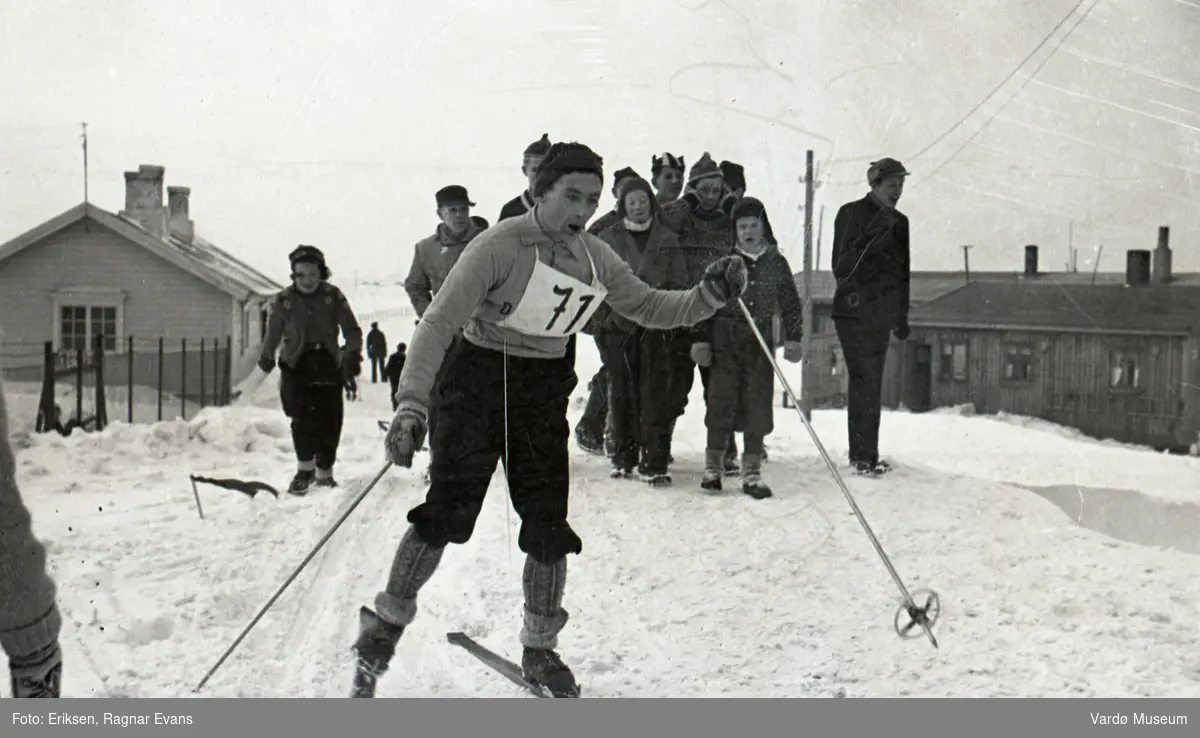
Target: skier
395,365
701,220
522,203
666,172
529,283
304,321
376,351
590,432
638,390
741,380
30,620
872,265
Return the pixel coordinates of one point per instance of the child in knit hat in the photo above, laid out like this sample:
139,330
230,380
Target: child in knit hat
741,382
30,620
666,174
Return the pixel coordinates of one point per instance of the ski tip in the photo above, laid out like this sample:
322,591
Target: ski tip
457,637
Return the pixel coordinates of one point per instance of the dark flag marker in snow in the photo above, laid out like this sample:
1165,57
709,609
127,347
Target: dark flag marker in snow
250,489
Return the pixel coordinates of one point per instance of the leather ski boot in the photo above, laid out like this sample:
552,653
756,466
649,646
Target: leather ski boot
545,668
714,462
39,675
374,649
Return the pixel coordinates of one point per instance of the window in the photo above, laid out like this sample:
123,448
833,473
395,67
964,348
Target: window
1123,371
1018,363
81,325
835,369
84,314
953,364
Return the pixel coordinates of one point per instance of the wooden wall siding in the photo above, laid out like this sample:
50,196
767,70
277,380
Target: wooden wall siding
1069,384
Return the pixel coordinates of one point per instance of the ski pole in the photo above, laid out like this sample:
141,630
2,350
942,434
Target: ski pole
925,616
324,539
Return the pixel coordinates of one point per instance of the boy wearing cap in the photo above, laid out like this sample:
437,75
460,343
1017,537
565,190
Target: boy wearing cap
435,255
523,203
666,174
872,265
303,325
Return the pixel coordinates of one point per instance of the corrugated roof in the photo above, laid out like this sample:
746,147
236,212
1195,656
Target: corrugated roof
1101,308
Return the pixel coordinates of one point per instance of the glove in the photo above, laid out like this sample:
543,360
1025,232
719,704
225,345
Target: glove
901,329
792,351
727,277
351,363
406,435
702,354
266,363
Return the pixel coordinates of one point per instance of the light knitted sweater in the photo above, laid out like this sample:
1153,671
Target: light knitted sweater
29,617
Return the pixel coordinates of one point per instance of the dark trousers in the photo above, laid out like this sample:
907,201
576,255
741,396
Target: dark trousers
594,421
395,385
311,395
640,398
481,424
377,365
432,413
864,348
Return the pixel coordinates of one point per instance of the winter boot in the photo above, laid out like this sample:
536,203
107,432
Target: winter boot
544,618
301,482
374,649
38,675
325,478
752,481
713,469
731,457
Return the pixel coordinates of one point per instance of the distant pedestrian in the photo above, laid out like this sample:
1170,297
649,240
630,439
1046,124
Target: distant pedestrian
376,351
872,264
395,365
305,320
30,621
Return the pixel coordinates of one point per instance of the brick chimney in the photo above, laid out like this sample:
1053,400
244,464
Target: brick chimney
178,223
144,198
1162,257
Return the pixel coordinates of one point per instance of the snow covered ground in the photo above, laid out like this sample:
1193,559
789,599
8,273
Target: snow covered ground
783,597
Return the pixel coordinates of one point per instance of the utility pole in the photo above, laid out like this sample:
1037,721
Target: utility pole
806,384
85,163
967,261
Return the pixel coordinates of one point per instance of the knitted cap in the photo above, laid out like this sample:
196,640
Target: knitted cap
735,175
703,169
621,174
566,158
666,160
539,147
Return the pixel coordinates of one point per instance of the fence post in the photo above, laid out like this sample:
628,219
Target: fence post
183,379
202,387
45,417
216,372
79,385
161,359
101,399
130,350
228,368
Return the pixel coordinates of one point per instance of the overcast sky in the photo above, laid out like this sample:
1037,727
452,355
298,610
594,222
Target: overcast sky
333,123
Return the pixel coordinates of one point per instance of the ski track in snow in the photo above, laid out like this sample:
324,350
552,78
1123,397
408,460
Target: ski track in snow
677,592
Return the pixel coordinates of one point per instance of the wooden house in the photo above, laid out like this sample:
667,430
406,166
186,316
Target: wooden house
130,278
1119,361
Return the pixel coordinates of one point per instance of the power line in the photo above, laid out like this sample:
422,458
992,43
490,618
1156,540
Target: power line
1004,81
1022,86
